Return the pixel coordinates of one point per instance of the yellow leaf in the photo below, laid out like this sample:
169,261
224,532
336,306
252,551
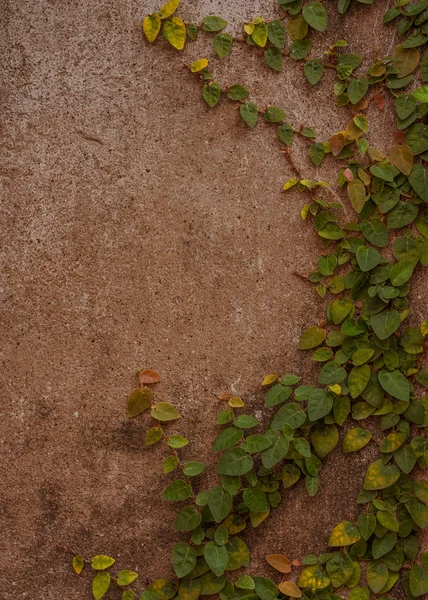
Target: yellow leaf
313,577
289,588
402,158
297,27
198,65
151,27
175,32
249,28
375,154
279,562
236,402
365,177
352,131
169,8
344,534
269,379
258,517
424,327
290,183
406,60
78,563
336,389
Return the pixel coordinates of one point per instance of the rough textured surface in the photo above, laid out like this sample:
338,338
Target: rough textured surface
141,229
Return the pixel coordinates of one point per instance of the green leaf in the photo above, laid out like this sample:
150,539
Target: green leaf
311,338
355,439
164,411
274,59
126,577
314,578
319,405
170,463
316,153
277,451
246,422
385,323
78,563
249,113
177,441
368,258
276,33
300,49
375,232
377,576
314,70
245,582
332,373
401,272
418,512
277,395
417,138
418,179
383,545
344,534
395,384
139,401
237,92
227,438
265,588
220,503
339,568
401,215
100,585
291,413
420,489
380,476
274,114
217,558
174,31
324,439
222,44
357,89
212,23
187,519
256,443
405,104
177,490
234,461
183,559
255,499
189,589
153,435
366,525
340,309
418,581
358,379
211,93
285,134
312,484
315,15
193,468
101,562
359,593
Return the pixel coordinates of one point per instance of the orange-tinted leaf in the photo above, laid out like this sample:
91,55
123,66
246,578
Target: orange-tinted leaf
149,376
279,562
289,588
224,396
379,101
337,143
296,563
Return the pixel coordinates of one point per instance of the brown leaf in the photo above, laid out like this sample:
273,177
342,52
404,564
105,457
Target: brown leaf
279,562
224,396
400,136
296,563
361,105
337,143
149,376
289,588
379,101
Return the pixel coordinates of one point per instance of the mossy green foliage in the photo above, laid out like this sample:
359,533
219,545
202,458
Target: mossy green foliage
368,367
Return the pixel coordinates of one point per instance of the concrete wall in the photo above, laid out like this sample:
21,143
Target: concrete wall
140,229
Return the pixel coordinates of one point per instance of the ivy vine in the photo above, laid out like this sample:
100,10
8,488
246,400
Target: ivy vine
371,365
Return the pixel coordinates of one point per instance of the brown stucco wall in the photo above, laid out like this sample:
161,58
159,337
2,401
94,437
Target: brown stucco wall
140,229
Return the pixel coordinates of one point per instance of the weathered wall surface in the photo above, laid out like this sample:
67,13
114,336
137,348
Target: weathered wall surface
141,229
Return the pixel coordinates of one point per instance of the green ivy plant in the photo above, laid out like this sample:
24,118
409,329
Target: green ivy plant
370,362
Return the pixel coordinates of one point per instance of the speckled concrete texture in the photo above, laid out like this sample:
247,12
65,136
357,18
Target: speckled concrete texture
140,229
